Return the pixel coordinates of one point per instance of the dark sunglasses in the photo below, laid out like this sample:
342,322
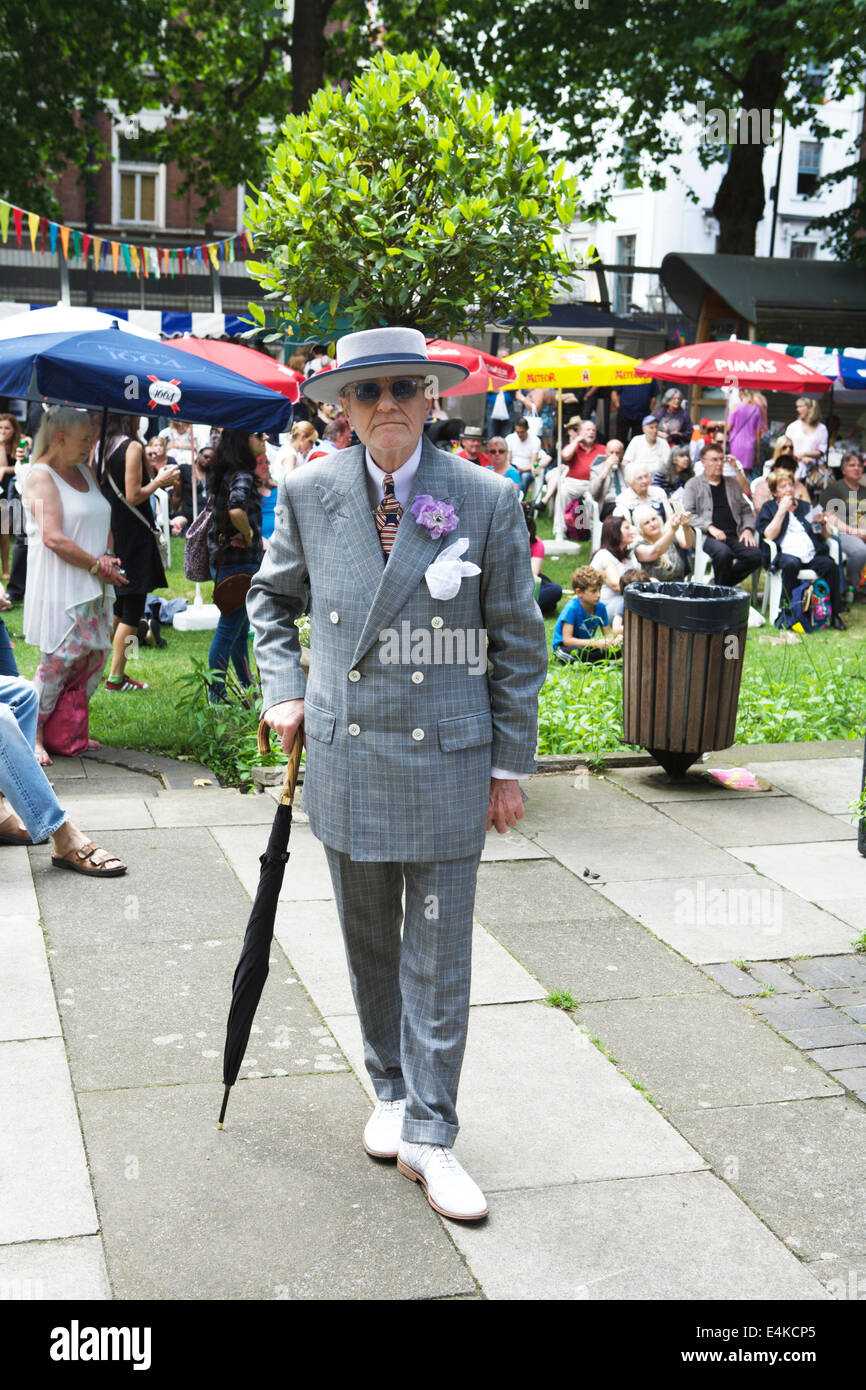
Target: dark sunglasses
496,449
404,388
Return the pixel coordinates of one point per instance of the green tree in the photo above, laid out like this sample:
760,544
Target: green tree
407,199
607,75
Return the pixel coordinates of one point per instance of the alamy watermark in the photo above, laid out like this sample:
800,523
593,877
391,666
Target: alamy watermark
736,125
706,906
437,646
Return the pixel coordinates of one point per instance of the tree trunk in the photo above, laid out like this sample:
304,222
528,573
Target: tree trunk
740,200
308,51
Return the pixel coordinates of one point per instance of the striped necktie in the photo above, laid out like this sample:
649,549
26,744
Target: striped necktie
388,514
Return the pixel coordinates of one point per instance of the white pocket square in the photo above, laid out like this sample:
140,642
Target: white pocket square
447,570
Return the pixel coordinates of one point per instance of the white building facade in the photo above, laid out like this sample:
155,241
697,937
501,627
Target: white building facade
647,225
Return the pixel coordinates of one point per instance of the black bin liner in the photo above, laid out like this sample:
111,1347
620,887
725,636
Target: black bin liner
689,607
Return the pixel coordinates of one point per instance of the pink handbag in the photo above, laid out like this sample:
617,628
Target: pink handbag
66,730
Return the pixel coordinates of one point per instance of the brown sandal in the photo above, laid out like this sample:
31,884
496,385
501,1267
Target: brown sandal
91,860
14,837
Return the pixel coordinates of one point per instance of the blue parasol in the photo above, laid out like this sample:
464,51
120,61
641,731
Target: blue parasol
110,370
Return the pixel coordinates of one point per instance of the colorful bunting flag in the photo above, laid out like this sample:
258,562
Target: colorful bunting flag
52,236
76,243
115,252
127,260
85,244
133,253
64,241
17,215
4,218
211,250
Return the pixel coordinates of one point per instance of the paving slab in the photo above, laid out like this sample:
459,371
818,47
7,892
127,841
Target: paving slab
19,896
732,979
54,1270
845,998
791,1011
568,800
27,1007
829,784
511,845
306,877
656,849
155,1014
653,785
779,820
692,1057
210,806
564,1115
712,920
854,1078
833,972
46,1188
850,910
530,893
92,813
801,1164
281,1204
814,751
608,959
61,768
780,978
684,1237
836,1059
179,887
819,1034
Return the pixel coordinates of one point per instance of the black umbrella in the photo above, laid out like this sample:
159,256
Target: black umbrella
252,967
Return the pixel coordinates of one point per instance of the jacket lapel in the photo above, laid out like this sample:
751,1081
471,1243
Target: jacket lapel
413,550
347,507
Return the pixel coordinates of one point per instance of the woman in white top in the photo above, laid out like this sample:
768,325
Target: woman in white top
302,440
70,567
613,559
808,434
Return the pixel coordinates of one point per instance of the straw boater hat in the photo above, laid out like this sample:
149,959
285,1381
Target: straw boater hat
380,352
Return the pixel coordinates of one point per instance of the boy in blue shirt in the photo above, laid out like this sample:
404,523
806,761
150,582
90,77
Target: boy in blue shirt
582,628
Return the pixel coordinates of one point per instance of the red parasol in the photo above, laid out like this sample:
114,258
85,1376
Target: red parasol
735,362
255,366
486,372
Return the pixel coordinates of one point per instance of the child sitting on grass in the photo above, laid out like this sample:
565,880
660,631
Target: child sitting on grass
582,631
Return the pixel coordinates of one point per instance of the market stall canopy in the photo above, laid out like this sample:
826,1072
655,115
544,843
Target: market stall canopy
783,298
247,362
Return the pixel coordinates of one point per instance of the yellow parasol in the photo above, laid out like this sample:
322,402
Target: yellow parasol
561,363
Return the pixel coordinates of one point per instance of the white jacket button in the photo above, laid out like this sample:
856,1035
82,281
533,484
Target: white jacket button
417,677
354,675
334,616
417,734
436,622
354,730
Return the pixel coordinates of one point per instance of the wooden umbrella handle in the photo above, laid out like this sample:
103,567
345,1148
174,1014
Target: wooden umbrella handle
294,763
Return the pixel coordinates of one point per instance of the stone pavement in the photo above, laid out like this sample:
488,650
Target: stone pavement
693,1129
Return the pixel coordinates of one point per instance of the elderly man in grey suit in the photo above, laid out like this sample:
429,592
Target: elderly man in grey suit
427,652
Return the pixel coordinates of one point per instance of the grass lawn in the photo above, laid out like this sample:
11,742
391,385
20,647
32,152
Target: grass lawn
813,690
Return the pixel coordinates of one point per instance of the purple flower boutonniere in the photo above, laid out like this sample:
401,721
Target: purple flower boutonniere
440,518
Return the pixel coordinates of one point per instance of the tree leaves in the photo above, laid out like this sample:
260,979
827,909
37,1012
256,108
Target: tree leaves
421,200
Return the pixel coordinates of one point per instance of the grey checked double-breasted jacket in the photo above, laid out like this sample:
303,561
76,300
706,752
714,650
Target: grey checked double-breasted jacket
401,734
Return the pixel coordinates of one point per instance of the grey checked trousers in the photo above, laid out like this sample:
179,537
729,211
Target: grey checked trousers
412,996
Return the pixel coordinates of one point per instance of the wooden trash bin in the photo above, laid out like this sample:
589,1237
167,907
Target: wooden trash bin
683,651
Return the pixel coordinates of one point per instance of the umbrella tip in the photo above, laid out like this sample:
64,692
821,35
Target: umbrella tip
219,1124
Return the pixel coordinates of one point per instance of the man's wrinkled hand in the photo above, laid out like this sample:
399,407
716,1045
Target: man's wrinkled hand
284,719
505,807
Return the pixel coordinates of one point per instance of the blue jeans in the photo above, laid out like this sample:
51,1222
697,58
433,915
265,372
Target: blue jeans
22,780
8,665
231,639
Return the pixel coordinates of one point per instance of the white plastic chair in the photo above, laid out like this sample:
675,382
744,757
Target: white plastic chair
702,570
163,519
773,578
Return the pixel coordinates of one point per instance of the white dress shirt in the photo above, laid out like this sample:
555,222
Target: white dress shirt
404,491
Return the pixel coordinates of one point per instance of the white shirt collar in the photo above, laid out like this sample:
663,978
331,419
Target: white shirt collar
404,478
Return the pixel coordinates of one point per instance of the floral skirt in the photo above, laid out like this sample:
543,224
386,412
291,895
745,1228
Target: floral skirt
79,660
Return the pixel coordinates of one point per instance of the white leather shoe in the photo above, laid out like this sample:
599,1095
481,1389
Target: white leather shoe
450,1190
382,1131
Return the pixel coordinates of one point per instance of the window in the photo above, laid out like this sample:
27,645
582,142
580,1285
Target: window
808,166
139,182
803,250
625,254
